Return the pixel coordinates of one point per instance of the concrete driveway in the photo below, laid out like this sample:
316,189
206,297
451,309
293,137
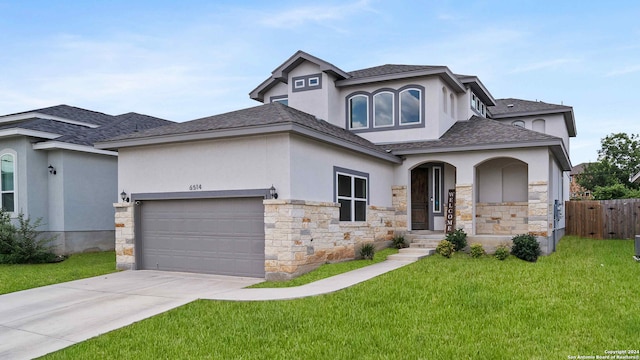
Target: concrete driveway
39,321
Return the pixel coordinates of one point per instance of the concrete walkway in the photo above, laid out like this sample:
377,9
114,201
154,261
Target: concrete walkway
38,321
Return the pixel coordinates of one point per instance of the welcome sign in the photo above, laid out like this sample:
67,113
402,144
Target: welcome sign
450,219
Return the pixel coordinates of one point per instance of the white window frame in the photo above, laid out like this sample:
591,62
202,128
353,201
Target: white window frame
437,189
518,123
352,198
393,109
420,116
314,81
14,156
298,84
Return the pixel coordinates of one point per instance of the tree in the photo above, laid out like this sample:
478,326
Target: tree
618,159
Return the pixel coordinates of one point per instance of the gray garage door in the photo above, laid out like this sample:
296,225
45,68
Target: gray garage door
215,236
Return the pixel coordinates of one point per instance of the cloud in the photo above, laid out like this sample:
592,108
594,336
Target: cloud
543,65
624,71
314,14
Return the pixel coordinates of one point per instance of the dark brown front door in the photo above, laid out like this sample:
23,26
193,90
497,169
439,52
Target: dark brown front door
419,199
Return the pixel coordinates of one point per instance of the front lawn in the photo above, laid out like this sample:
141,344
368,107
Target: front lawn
582,300
77,266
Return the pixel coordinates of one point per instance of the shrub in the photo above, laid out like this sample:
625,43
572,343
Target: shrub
525,247
399,242
502,252
24,244
367,251
458,238
477,250
445,248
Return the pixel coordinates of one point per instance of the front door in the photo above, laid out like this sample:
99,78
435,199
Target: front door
420,199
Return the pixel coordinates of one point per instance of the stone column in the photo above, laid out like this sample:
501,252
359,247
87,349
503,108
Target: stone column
464,208
125,254
399,202
538,210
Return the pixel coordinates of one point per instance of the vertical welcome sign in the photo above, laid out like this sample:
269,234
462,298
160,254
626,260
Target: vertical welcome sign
450,220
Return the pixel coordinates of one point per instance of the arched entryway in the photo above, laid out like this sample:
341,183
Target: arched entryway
429,185
502,197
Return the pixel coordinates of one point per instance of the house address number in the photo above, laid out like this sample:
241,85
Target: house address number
195,187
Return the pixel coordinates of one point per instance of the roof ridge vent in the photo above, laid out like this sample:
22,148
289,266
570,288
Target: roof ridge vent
510,105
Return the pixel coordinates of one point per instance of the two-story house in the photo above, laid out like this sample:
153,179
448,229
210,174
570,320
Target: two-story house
333,159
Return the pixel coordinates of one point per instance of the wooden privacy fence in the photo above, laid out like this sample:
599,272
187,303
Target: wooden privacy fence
605,219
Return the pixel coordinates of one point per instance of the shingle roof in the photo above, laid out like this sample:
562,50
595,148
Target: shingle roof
73,113
107,125
476,131
122,124
258,116
515,106
390,69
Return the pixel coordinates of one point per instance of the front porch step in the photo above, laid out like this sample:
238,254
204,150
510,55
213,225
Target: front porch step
411,254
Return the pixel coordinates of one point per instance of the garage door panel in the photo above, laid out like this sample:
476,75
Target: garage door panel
220,236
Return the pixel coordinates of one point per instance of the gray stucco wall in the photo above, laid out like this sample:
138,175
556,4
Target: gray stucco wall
89,190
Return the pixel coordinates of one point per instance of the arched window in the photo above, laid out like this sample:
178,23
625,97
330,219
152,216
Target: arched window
383,109
7,182
451,104
444,100
518,123
358,112
538,125
410,106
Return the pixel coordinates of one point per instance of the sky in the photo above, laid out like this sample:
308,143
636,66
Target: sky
183,60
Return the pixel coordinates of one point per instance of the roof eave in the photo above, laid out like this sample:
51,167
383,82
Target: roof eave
443,72
479,89
560,151
38,115
247,131
59,145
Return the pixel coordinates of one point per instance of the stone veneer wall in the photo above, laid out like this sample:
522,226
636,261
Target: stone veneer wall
302,235
464,207
539,210
510,218
125,258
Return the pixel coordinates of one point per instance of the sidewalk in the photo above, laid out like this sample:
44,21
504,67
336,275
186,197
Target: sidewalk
324,286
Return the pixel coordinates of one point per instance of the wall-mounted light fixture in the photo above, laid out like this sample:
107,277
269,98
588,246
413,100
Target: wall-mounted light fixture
52,170
272,192
124,197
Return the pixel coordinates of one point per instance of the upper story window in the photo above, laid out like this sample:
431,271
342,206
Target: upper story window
352,193
386,109
307,82
518,123
410,106
7,182
478,105
358,112
283,99
451,104
383,109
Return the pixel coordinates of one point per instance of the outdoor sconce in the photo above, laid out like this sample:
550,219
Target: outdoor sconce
123,196
272,192
52,170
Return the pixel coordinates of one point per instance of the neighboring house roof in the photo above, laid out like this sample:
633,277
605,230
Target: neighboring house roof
67,112
510,108
263,119
122,124
70,127
479,133
579,169
373,74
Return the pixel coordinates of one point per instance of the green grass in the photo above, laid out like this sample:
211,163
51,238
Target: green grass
327,270
77,266
582,300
